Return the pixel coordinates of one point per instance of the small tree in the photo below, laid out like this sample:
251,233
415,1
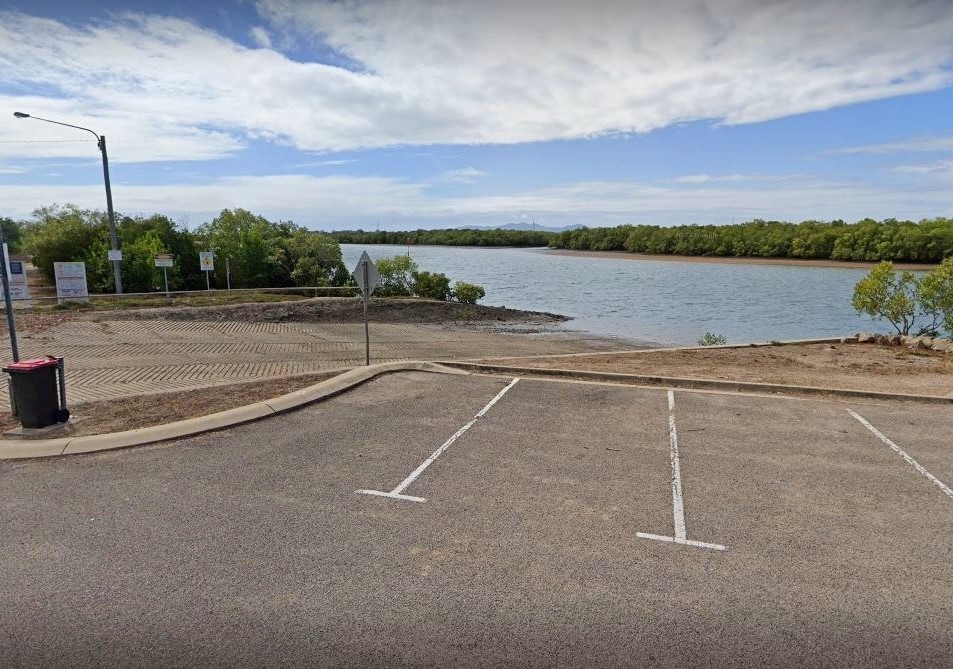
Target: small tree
922,306
468,293
396,275
936,295
886,295
314,259
431,286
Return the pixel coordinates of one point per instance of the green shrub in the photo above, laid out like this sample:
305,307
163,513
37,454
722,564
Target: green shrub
468,293
396,275
431,286
712,339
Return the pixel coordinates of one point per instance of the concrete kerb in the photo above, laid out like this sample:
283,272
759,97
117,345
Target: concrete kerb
690,383
39,448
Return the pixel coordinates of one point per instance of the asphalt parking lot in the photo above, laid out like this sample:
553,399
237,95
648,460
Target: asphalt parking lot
571,524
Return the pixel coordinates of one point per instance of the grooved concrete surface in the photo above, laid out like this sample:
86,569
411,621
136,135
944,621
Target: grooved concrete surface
112,359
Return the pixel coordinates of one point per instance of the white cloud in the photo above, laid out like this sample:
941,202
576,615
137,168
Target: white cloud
465,175
940,167
339,201
261,37
462,72
709,178
915,145
513,71
327,163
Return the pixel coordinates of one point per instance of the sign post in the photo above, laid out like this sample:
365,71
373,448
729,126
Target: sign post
367,279
207,263
11,325
164,261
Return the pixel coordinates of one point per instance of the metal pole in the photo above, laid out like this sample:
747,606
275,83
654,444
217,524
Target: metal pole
113,238
228,273
101,143
208,286
165,274
367,334
61,368
11,326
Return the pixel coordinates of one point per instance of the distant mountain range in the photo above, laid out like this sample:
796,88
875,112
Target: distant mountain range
532,227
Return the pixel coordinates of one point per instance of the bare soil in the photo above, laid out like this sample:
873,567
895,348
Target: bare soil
313,310
148,410
342,310
850,366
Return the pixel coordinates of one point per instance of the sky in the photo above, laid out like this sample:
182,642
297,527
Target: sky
405,114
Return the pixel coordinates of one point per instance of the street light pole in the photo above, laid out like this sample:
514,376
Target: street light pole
113,238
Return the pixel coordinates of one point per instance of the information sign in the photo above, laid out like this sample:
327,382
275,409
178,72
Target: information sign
71,280
207,261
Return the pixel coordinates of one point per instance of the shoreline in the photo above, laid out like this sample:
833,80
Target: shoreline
733,260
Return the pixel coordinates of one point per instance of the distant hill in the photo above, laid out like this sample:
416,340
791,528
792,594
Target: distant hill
526,227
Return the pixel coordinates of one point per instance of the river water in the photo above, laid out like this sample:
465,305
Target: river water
658,301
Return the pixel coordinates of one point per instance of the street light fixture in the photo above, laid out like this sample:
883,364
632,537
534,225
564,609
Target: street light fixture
113,239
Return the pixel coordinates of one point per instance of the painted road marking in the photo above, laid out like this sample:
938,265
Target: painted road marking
945,489
678,503
397,493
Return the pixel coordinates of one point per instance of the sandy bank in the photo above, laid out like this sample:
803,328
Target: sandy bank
797,262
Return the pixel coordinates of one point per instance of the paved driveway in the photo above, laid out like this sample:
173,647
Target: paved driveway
571,524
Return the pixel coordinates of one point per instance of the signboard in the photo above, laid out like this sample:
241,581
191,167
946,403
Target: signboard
71,280
114,255
164,260
366,275
16,277
207,261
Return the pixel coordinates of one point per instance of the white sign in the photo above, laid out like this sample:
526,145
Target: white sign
114,255
207,261
366,275
164,260
16,277
71,280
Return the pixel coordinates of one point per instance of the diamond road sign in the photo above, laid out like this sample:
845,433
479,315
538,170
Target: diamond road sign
366,275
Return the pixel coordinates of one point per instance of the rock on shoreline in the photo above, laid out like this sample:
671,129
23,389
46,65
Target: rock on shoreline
922,343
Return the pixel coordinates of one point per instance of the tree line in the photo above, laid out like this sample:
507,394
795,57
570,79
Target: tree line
927,241
446,237
260,253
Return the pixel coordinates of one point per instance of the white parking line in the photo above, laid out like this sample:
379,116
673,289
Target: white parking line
945,489
678,503
397,493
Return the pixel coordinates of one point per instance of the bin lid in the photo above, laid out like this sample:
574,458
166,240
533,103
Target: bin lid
31,365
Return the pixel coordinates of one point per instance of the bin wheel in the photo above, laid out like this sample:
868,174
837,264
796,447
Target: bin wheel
62,415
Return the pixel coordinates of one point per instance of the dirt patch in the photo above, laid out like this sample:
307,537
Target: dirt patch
311,310
339,310
867,367
148,410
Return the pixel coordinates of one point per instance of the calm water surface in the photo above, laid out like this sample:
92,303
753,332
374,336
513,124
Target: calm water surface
667,302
